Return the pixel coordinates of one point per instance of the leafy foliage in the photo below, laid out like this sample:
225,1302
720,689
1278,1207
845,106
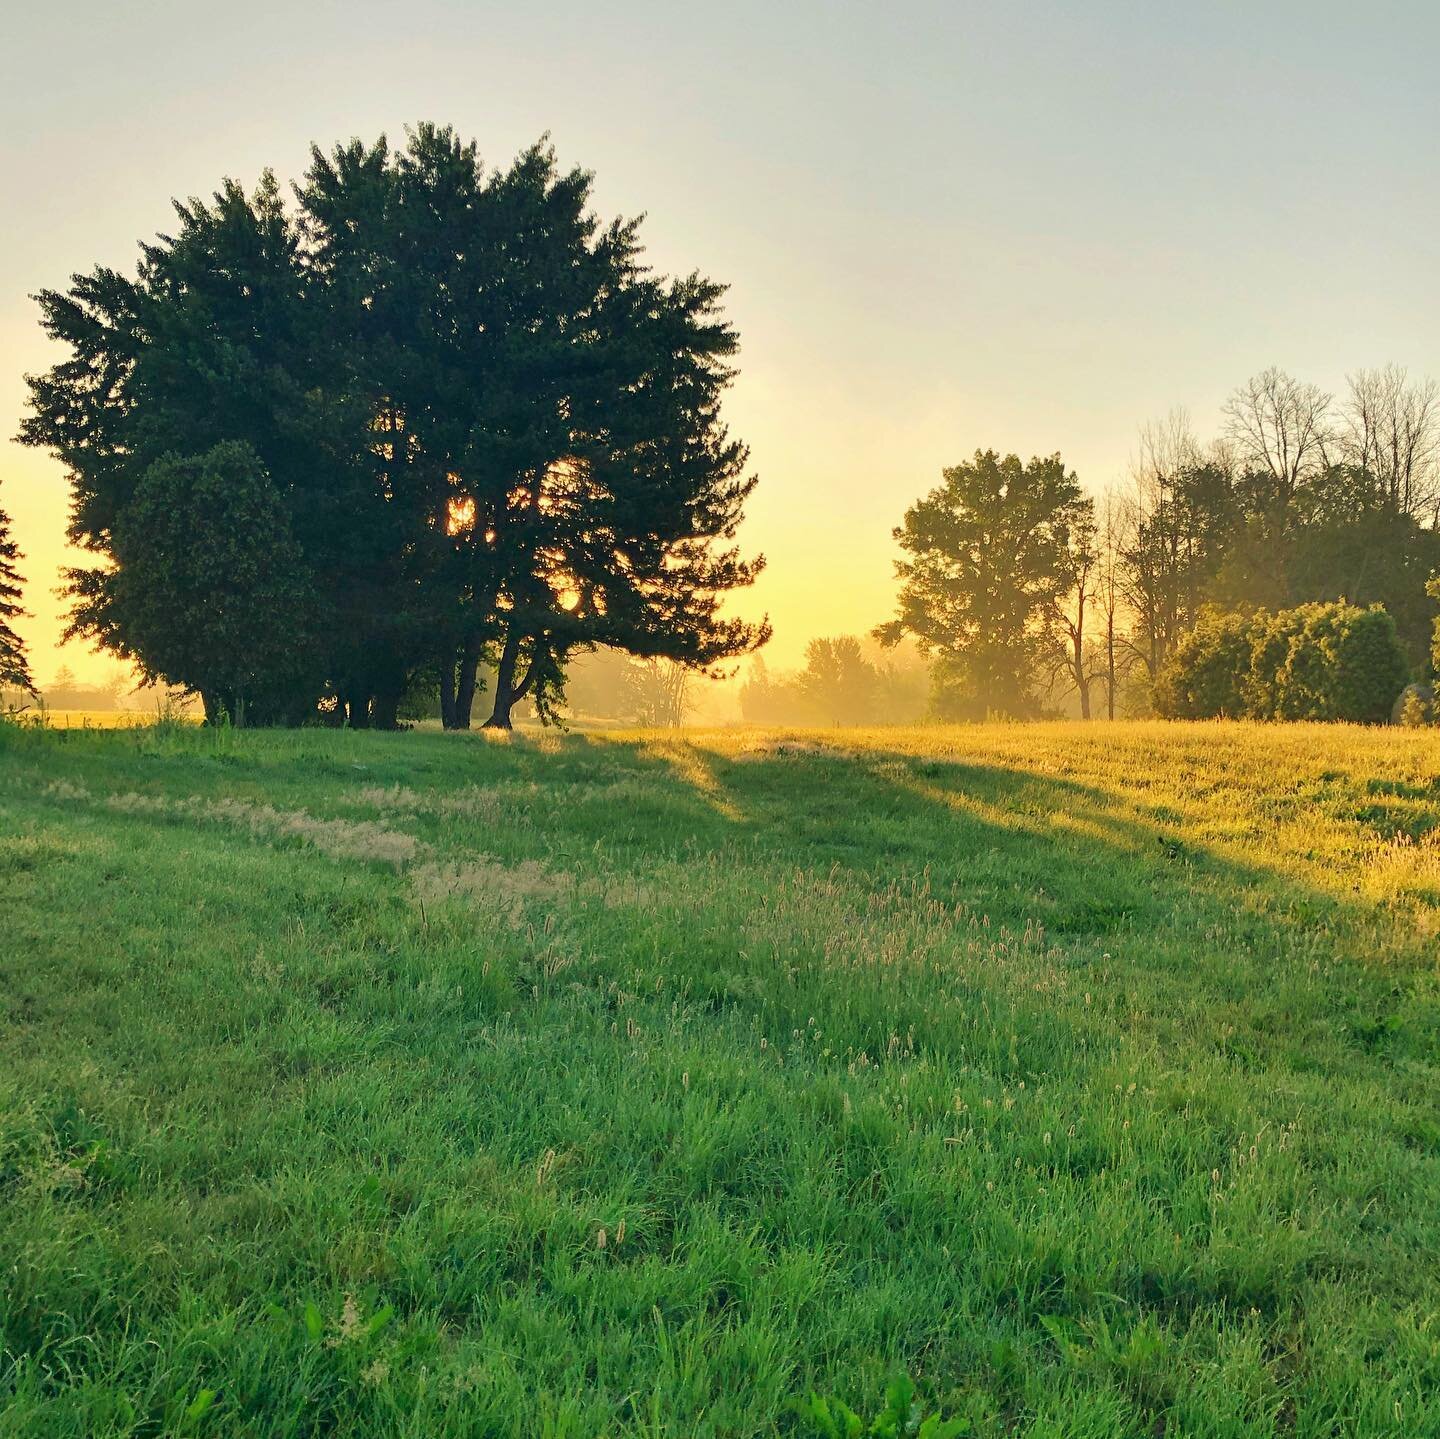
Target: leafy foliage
494,431
988,558
902,1417
1314,662
209,589
1207,673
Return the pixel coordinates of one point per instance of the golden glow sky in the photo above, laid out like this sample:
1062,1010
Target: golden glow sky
945,226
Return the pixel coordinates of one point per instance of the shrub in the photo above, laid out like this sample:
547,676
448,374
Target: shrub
1415,708
1315,662
1205,676
1360,666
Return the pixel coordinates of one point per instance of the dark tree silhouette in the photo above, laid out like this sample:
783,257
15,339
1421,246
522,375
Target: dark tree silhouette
14,668
209,589
493,433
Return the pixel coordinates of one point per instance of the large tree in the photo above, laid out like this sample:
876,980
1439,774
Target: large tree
988,559
14,667
495,433
551,413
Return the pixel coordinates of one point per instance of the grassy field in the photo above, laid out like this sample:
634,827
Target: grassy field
355,1084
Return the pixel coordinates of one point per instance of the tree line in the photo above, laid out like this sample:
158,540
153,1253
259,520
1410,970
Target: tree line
1021,588
416,430
414,424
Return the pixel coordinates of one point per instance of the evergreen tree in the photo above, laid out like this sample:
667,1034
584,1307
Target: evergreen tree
495,434
14,667
210,590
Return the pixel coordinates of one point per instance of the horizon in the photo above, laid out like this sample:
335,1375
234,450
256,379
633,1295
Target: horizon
1024,231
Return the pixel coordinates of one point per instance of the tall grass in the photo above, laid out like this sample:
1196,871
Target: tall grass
650,1085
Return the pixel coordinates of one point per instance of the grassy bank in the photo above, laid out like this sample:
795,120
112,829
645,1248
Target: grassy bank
606,1085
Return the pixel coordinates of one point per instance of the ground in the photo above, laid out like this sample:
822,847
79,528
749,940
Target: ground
582,1085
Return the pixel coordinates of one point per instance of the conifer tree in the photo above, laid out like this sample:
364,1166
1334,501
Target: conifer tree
14,668
494,434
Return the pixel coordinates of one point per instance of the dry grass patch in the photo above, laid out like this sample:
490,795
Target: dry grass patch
342,839
507,889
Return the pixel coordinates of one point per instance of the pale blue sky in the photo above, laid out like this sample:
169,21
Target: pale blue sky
1027,226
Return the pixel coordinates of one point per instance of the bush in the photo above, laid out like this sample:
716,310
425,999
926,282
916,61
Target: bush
1315,662
1206,676
1415,709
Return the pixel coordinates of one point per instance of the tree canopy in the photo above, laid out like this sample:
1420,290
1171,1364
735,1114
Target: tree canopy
989,554
477,430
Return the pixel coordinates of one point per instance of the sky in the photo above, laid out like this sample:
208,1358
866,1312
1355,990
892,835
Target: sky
1021,226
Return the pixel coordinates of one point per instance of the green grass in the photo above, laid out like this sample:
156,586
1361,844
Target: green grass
1086,1074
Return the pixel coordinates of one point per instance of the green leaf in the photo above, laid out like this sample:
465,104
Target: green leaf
201,1402
378,1320
314,1321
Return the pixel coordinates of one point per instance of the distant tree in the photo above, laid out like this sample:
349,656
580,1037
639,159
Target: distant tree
988,557
1353,543
14,667
904,683
1109,596
1177,535
209,590
1073,661
656,693
1280,427
768,698
1391,434
838,685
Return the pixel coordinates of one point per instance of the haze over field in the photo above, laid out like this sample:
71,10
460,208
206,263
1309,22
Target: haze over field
944,226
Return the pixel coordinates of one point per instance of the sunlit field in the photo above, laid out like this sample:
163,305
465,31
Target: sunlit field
63,719
624,1084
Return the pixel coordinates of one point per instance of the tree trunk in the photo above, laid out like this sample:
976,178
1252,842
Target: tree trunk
1110,663
505,691
465,688
386,712
447,693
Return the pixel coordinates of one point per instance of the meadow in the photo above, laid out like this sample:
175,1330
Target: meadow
643,1084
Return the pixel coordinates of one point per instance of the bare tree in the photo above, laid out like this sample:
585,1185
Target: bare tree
657,693
1073,653
1153,539
1280,426
1109,592
1391,430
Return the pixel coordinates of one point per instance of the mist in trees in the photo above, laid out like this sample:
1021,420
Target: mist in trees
845,680
423,423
